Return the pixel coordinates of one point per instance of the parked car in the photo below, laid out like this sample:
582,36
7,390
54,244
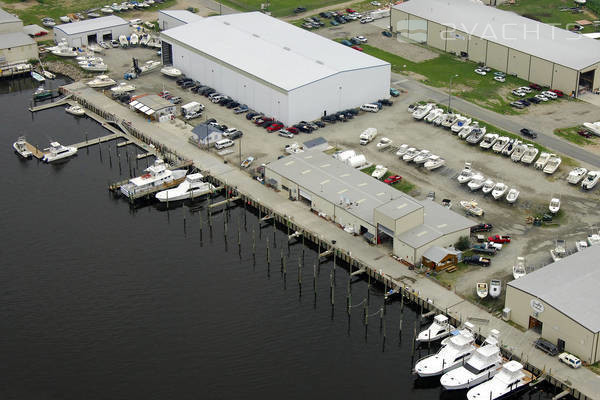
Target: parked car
240,109
559,93
499,239
529,133
361,39
285,133
236,135
534,100
386,102
346,43
366,20
298,10
479,71
524,102
329,118
355,41
251,114
319,124
394,92
355,47
274,127
392,179
535,86
386,33
550,94
482,228
175,100
517,104
232,104
524,89
518,93
334,22
541,97
546,346
477,260
293,130
349,10
570,360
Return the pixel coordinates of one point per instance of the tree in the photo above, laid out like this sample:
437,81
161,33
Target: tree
463,243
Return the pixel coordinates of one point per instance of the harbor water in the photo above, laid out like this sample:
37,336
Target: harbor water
102,301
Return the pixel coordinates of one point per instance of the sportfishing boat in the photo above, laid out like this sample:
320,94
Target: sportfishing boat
471,207
123,41
122,87
155,175
193,186
581,245
576,175
554,206
593,239
495,287
456,350
434,162
449,120
64,51
410,154
488,186
379,171
20,147
476,182
422,111
559,251
57,151
519,268
513,195
499,190
519,152
402,150
482,289
500,144
481,367
530,154
101,81
134,39
422,157
591,179
476,135
466,174
171,71
509,381
459,124
439,329
433,114
488,140
95,67
37,76
543,160
75,110
552,164
512,145
246,163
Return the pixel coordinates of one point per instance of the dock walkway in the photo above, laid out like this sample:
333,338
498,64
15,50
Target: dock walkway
386,268
62,101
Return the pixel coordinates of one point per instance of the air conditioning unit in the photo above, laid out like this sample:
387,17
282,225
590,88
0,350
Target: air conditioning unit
506,314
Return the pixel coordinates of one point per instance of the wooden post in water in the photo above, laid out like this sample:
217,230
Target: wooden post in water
253,248
299,278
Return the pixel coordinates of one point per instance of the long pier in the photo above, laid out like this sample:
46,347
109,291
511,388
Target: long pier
61,102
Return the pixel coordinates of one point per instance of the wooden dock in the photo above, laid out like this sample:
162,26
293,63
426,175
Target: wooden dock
37,153
101,139
61,102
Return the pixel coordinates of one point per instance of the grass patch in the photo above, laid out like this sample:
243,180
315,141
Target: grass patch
595,368
548,11
280,8
516,326
571,135
448,279
404,185
332,150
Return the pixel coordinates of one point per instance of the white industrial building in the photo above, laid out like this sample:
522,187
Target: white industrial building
15,45
168,19
560,301
9,23
90,31
361,204
274,67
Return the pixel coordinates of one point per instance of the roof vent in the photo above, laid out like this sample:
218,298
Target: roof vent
320,62
226,23
286,48
255,35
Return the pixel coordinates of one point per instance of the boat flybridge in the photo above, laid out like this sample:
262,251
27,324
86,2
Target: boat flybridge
439,329
155,175
509,381
193,186
57,151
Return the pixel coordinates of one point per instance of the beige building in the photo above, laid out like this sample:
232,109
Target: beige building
561,301
9,23
503,40
15,46
361,204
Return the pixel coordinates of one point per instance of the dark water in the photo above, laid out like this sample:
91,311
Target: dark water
98,301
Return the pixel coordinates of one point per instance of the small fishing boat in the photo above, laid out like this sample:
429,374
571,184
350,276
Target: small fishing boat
123,41
62,51
433,114
434,162
466,130
593,239
57,151
576,175
96,48
471,207
554,206
476,135
422,157
519,152
440,118
476,182
410,154
246,163
75,110
144,40
379,171
193,186
20,147
499,190
488,186
449,120
122,87
459,124
466,174
500,144
559,251
65,19
439,329
543,160
495,288
48,74
107,10
37,76
101,81
133,39
581,245
482,290
95,67
512,145
422,111
383,143
530,154
513,195
489,140
402,150
591,179
519,268
154,176
552,164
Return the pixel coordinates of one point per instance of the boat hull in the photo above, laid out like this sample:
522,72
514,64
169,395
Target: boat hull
22,152
452,384
50,158
168,196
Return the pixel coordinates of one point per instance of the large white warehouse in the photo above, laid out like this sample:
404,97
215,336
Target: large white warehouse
89,31
274,67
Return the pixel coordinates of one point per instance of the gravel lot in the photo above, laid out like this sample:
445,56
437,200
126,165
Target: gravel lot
580,211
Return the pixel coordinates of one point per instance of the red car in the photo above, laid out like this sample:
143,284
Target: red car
263,120
392,179
559,93
535,86
499,239
293,130
355,47
274,127
350,11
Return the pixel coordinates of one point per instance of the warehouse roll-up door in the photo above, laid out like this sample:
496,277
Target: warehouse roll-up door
167,53
305,195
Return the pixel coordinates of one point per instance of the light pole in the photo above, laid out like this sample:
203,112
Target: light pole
450,92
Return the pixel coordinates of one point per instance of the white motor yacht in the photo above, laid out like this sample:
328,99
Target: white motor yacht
122,87
519,152
576,175
488,186
543,160
591,179
508,381
383,143
466,174
482,366
476,182
559,251
171,71
402,150
495,288
519,268
57,151
155,175
456,350
513,195
20,147
193,186
410,154
488,140
554,206
76,110
433,114
422,157
379,171
499,190
581,245
439,329
530,154
422,111
434,162
459,124
552,164
500,144
510,148
101,81
449,120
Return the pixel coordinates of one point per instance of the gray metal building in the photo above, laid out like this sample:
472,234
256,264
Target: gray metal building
561,302
90,31
15,46
503,40
9,23
168,19
363,205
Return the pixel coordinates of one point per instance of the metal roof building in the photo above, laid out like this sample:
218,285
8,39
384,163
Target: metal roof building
275,67
90,31
362,204
9,22
561,301
153,106
503,40
16,47
168,19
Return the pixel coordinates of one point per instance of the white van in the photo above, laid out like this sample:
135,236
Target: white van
223,143
136,21
370,107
